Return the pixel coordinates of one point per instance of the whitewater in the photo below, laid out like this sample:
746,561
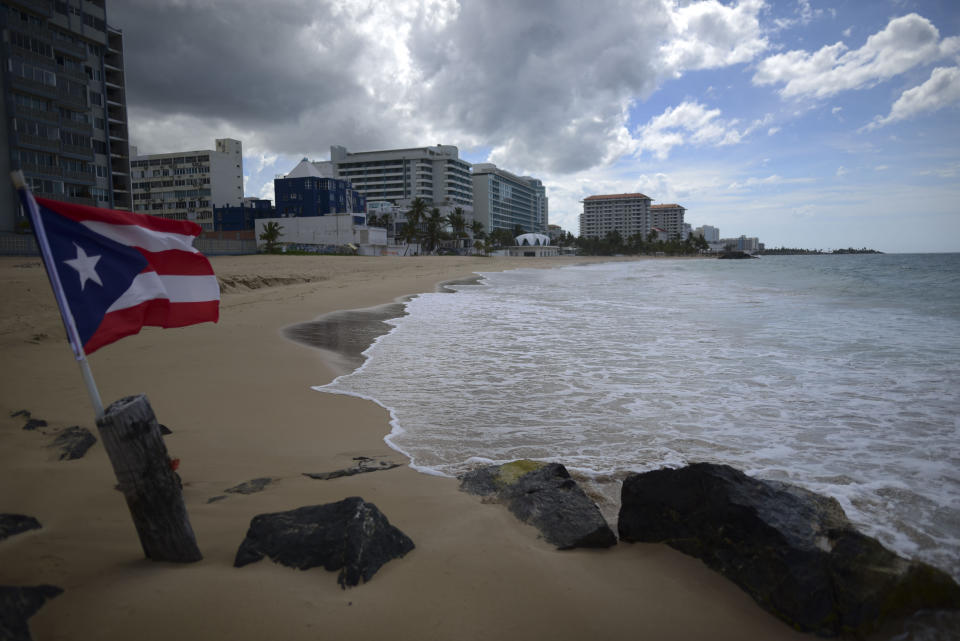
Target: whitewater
836,373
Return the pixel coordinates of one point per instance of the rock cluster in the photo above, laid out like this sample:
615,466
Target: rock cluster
544,495
351,535
11,524
792,550
18,604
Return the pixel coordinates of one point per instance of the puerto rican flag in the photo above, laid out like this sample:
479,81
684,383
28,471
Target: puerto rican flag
119,271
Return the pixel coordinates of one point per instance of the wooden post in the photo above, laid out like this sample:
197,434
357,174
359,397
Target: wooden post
131,436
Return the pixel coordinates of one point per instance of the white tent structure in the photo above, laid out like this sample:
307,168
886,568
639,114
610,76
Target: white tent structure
532,245
532,240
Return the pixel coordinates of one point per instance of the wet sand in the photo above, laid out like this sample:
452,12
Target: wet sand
237,398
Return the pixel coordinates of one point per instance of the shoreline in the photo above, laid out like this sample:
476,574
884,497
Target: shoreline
238,400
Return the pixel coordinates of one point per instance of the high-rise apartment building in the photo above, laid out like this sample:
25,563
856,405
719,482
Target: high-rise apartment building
186,185
709,233
669,218
502,200
627,214
435,174
63,117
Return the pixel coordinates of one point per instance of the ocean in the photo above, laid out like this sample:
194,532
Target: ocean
839,373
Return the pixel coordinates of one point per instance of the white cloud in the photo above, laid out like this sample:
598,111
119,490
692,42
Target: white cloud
836,110
773,179
691,123
708,35
940,90
842,171
772,130
903,44
881,167
805,14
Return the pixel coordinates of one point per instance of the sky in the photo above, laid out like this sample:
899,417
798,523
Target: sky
805,123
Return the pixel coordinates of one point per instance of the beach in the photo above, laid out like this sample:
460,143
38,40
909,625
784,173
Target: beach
237,398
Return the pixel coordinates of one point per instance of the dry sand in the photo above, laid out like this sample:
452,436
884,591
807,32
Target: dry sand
237,397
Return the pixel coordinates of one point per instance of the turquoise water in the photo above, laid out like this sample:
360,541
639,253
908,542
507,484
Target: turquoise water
837,373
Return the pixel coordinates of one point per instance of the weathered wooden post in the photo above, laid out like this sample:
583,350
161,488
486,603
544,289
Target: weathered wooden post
132,438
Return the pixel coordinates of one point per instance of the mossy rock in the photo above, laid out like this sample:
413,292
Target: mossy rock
510,473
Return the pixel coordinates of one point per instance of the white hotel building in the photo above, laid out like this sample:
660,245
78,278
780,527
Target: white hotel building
185,185
435,174
628,214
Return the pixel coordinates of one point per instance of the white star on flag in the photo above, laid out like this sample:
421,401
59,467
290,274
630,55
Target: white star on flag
86,267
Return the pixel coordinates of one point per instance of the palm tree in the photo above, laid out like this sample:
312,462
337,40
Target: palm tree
434,230
270,235
412,231
459,224
476,228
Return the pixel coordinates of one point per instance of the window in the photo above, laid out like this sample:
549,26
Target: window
96,98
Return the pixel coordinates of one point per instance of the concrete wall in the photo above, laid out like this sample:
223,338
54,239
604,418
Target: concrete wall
324,230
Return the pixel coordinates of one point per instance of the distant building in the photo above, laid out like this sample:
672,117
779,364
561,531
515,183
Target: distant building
241,217
435,174
742,243
627,214
502,200
184,185
708,233
63,115
306,191
668,218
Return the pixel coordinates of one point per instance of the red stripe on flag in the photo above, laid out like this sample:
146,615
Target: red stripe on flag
177,263
157,313
81,213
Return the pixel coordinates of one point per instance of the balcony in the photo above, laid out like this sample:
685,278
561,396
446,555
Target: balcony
33,87
76,151
35,114
26,140
46,171
80,176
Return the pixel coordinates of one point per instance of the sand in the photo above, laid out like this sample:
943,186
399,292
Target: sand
237,397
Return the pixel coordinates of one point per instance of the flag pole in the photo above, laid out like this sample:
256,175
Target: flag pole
73,336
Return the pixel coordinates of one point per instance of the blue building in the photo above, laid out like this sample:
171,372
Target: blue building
307,192
240,218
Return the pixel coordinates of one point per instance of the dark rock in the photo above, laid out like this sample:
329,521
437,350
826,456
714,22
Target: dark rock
17,604
250,487
360,468
34,423
165,430
351,535
74,442
23,413
11,524
214,499
544,495
791,549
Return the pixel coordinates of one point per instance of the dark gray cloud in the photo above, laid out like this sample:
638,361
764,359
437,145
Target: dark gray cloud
546,85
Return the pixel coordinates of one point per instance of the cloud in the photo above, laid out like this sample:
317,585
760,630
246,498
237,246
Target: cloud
903,44
690,123
548,88
804,15
842,171
707,35
940,90
772,179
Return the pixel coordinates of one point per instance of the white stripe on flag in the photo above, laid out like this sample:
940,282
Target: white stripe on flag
136,236
178,289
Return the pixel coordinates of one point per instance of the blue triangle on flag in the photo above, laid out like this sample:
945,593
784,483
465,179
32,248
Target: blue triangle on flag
84,257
